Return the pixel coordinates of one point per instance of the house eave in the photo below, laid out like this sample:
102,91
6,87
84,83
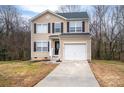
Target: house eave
76,19
64,35
37,16
53,36
82,33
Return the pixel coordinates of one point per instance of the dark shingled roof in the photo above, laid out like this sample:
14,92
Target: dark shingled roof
74,15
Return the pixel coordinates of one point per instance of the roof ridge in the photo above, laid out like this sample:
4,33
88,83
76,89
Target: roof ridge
74,12
69,15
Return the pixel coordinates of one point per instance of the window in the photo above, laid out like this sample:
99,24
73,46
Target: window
38,27
75,26
41,28
57,27
42,46
72,27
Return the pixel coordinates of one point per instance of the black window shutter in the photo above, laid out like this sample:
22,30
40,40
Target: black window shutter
34,27
48,46
83,26
52,27
48,27
34,46
61,27
67,26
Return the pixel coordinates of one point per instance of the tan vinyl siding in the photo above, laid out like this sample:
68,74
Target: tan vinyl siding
86,26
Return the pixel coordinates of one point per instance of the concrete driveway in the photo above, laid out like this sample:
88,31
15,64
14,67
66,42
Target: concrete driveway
70,74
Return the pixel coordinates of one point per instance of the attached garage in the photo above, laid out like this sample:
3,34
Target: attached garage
75,51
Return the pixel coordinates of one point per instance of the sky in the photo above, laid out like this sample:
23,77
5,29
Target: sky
29,11
32,10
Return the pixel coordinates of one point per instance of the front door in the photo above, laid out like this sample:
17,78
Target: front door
57,47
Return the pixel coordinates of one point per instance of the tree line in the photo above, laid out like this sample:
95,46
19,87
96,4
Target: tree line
107,30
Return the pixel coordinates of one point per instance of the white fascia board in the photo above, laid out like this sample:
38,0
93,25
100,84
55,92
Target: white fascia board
33,18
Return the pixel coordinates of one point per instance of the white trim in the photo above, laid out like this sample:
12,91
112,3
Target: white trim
40,32
75,32
41,40
50,49
77,19
60,48
77,42
46,41
75,26
32,43
55,27
42,23
57,22
35,17
42,46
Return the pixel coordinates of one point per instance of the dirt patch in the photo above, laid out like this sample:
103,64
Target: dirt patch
108,74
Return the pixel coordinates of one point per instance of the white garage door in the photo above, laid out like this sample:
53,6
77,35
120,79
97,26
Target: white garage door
75,52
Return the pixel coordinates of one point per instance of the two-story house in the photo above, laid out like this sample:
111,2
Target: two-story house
65,36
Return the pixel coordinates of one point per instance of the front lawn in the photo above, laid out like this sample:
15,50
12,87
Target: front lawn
23,73
108,73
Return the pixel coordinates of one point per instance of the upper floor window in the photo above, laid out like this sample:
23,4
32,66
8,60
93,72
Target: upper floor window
75,26
41,28
57,27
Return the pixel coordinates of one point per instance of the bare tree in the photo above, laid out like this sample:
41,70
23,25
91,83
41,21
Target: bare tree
107,29
15,35
97,28
69,8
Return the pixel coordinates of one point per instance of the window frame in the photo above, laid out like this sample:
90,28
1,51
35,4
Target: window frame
75,23
42,31
57,27
42,47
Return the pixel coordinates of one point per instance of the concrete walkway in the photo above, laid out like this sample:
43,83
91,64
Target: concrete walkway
70,74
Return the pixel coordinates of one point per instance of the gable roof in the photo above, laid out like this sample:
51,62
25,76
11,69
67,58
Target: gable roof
69,15
37,16
74,15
